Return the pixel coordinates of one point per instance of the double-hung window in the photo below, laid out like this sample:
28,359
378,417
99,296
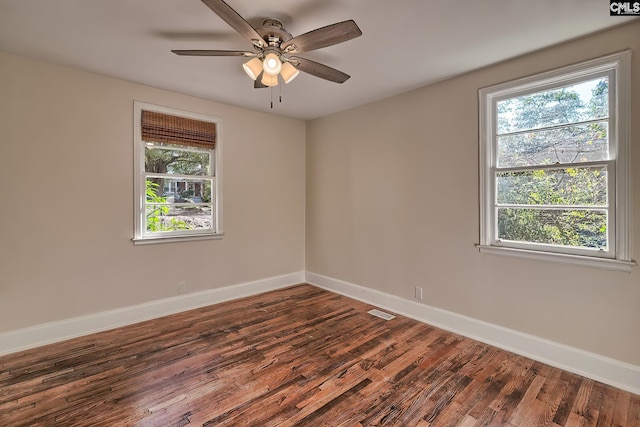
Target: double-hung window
554,164
177,166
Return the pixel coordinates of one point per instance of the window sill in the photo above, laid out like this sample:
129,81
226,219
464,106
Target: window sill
171,239
603,263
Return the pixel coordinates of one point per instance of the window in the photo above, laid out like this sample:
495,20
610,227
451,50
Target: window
177,165
554,164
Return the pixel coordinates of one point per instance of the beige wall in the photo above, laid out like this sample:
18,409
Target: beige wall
66,210
392,203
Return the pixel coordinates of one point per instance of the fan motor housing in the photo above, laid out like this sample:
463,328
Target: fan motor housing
273,33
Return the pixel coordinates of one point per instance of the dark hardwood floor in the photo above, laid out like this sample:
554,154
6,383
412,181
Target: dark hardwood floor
295,357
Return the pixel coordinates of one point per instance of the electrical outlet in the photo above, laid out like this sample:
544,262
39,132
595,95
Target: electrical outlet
418,293
182,287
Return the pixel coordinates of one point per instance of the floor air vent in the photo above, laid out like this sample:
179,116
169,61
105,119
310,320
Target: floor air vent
381,314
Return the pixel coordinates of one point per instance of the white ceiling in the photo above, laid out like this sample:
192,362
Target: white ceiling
405,44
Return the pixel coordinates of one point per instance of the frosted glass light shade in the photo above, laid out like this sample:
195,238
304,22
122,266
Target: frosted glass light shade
272,64
269,80
289,72
253,68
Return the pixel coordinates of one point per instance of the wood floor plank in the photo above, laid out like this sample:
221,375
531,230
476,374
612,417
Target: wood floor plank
633,416
564,410
621,409
299,356
528,405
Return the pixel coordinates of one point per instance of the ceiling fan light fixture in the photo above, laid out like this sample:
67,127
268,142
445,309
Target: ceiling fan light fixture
289,72
253,68
273,45
272,64
269,80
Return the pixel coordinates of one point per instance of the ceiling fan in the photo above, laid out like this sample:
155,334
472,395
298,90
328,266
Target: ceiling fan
275,49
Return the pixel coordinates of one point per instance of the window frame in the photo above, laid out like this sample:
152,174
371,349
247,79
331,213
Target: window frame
617,68
141,235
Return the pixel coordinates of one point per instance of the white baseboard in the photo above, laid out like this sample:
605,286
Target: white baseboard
47,333
600,368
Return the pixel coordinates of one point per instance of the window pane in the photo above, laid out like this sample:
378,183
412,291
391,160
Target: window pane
572,104
175,218
161,190
571,186
577,228
571,144
180,162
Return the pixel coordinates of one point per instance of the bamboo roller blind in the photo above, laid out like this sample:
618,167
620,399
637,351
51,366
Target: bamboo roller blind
159,127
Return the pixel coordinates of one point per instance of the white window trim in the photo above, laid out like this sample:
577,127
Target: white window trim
620,64
139,180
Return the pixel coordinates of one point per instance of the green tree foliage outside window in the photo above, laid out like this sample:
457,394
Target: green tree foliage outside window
178,188
543,192
155,213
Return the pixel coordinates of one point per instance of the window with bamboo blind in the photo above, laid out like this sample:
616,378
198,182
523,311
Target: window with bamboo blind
177,187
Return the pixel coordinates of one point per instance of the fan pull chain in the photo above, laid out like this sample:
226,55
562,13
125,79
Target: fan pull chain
279,94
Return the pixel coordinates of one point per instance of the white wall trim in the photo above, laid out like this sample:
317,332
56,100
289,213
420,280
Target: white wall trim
600,368
47,333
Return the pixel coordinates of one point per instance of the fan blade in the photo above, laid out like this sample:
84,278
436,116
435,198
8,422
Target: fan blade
322,37
235,21
213,53
257,84
319,70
